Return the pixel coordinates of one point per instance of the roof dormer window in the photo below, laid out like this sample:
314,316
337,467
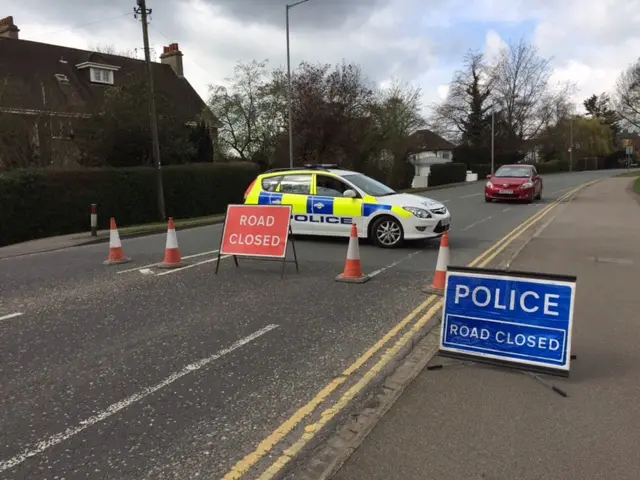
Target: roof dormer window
99,73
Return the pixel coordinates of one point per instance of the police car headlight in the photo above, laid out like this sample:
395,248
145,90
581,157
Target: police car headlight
527,185
489,185
418,212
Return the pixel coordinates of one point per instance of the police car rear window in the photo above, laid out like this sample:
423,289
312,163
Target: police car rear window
270,184
299,184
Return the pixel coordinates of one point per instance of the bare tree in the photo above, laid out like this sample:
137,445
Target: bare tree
112,50
397,113
248,111
462,117
626,98
523,93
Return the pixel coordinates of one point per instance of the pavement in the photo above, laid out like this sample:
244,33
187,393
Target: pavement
481,422
131,371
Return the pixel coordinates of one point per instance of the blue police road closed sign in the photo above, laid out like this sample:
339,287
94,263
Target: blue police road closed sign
516,319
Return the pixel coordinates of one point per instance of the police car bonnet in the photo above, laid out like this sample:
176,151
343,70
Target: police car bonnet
432,204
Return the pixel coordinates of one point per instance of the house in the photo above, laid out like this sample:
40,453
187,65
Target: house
427,148
53,87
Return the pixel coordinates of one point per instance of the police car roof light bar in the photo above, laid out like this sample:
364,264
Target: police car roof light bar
321,165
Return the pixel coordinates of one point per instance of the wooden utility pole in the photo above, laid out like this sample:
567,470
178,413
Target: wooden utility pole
571,145
144,12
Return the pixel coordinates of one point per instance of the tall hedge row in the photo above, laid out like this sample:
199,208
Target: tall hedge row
444,173
42,203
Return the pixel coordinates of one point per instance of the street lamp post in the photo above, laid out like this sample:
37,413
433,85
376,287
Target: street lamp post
493,134
289,90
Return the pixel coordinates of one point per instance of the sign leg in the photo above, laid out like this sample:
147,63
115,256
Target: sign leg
235,260
293,246
218,262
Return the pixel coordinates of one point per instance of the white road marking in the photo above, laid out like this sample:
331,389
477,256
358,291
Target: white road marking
11,315
472,195
192,265
160,263
114,408
445,201
506,209
475,223
146,271
391,265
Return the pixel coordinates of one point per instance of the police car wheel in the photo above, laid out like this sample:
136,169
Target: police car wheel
387,232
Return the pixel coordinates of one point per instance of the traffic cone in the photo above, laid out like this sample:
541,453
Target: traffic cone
172,257
440,278
353,269
116,253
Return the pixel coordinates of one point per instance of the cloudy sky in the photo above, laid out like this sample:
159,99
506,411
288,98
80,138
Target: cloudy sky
422,41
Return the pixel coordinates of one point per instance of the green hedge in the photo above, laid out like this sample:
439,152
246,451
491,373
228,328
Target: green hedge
445,173
552,166
42,203
482,170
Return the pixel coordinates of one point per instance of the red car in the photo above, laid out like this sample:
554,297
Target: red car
514,182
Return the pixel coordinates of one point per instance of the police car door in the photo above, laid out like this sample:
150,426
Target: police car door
295,190
335,211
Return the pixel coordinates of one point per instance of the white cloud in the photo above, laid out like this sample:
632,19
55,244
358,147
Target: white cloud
494,45
590,40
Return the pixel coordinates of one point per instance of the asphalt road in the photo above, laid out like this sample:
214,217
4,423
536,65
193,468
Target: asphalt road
481,422
112,373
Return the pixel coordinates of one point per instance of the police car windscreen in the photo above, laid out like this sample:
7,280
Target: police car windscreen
369,185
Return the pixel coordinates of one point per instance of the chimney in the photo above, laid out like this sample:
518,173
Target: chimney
172,56
8,29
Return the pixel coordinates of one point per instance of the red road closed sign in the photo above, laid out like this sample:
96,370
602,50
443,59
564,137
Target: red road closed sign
256,231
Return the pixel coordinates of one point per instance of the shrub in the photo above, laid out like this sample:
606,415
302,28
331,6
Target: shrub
44,202
445,173
552,166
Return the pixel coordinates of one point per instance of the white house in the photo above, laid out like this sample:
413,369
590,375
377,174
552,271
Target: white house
427,149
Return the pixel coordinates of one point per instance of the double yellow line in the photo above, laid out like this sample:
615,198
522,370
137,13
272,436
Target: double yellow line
265,447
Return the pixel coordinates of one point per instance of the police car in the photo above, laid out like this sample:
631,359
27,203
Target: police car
327,200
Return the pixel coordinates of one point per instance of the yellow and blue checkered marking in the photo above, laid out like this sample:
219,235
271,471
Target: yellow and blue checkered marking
320,205
270,198
371,208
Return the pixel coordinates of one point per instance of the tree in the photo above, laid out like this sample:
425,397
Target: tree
627,96
16,148
524,94
338,117
248,111
591,138
395,114
463,116
599,107
330,110
119,135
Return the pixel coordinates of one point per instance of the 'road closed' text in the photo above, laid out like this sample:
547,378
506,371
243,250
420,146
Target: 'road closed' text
256,240
539,342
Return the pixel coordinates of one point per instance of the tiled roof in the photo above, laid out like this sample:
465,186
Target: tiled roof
424,139
28,79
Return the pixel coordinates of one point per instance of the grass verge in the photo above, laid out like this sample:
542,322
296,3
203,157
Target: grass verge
636,186
635,173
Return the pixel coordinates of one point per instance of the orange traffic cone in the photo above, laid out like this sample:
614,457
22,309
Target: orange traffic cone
172,257
116,253
353,269
440,278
